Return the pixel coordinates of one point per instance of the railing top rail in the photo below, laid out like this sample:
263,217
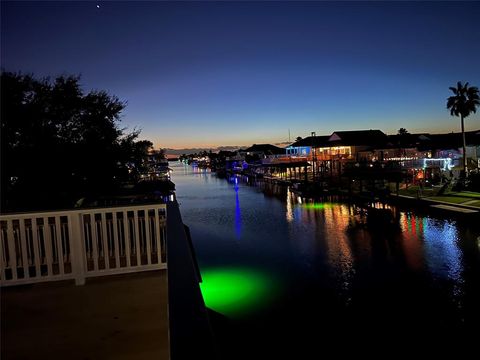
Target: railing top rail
66,212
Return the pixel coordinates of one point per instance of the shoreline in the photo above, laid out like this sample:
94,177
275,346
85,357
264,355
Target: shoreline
438,206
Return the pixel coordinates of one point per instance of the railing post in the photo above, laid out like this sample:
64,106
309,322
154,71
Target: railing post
77,247
49,241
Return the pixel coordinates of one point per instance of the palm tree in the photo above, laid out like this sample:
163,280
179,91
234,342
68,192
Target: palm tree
403,140
464,101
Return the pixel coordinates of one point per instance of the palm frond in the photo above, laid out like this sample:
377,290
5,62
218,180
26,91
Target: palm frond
465,101
472,92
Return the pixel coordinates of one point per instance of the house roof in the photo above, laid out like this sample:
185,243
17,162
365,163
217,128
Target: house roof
315,141
267,149
374,138
449,140
379,140
406,140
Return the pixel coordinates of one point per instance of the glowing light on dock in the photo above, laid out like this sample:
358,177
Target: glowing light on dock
317,206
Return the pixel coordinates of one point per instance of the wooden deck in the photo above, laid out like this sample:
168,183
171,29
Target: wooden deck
113,317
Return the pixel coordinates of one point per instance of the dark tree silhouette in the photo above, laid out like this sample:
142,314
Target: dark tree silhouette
402,140
298,138
59,144
464,102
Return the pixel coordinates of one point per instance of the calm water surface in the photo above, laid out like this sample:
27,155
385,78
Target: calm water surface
291,275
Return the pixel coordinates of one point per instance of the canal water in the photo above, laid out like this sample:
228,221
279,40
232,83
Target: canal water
290,276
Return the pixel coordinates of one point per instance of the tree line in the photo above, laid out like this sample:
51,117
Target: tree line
59,143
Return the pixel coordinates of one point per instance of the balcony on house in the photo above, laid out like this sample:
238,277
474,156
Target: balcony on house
117,282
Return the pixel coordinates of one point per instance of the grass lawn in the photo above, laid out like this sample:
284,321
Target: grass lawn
467,194
413,191
476,204
450,199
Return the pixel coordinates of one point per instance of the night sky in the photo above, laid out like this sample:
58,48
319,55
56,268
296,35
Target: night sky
237,73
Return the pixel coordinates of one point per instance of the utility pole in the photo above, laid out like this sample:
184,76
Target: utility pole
314,157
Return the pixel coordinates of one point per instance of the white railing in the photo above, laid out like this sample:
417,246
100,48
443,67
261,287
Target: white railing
77,244
284,159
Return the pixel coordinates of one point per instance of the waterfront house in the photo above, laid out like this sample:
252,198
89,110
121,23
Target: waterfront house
354,146
431,157
264,150
445,154
303,147
404,151
450,146
236,162
328,154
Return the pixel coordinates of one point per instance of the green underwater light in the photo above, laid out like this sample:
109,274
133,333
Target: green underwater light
317,206
236,291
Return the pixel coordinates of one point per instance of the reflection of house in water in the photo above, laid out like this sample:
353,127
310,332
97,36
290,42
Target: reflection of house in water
412,240
441,251
374,216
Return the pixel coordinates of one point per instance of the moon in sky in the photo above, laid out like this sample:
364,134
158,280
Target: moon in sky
98,6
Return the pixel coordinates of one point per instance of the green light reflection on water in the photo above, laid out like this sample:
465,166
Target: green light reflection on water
237,291
317,206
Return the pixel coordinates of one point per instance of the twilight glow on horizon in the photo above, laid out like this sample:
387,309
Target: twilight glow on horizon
207,74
